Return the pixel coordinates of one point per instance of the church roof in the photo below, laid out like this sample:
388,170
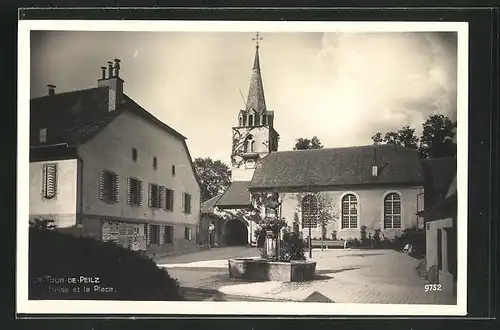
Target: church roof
256,100
235,196
338,166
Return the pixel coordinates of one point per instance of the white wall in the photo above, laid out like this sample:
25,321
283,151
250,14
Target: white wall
111,149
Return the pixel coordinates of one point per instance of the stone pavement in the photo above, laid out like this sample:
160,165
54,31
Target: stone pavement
353,276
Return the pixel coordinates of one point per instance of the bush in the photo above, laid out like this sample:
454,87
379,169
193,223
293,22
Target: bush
415,237
292,247
334,235
127,274
363,234
260,237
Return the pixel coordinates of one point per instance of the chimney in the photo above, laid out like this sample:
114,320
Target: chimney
374,166
113,82
52,89
110,69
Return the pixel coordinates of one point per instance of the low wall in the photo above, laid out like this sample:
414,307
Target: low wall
263,270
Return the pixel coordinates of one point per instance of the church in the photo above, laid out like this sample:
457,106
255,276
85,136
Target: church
374,187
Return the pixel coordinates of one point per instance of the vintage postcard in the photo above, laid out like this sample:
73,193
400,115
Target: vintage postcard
257,168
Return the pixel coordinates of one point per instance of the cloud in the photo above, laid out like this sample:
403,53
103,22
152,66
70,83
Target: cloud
363,83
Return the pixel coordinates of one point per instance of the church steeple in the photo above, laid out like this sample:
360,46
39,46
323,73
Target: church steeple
255,136
256,100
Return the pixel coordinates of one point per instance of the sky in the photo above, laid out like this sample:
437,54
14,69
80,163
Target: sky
340,87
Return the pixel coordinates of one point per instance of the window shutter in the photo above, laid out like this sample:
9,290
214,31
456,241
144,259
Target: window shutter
184,203
141,197
148,234
150,199
44,181
129,191
117,188
162,197
172,200
50,180
101,185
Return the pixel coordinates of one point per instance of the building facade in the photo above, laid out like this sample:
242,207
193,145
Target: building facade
112,170
374,187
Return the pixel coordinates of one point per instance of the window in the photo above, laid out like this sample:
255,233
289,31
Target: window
169,234
49,181
134,154
249,144
241,121
155,234
134,192
250,120
43,135
392,211
264,119
186,203
155,195
309,211
155,163
187,233
173,170
349,211
169,200
109,187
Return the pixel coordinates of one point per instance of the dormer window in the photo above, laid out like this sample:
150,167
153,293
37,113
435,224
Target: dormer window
250,120
43,135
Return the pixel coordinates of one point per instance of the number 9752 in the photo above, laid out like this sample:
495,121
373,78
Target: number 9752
432,287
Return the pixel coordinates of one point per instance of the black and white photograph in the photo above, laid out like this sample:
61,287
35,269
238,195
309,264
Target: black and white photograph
214,167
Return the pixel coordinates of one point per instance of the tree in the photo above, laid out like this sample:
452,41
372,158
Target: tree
307,144
437,137
215,177
323,209
404,137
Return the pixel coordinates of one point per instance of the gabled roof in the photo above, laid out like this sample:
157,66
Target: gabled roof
235,196
75,117
338,166
208,206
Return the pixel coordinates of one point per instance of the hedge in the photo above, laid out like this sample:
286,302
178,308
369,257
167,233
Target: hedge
63,266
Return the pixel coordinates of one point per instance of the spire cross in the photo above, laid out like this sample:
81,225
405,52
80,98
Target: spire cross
256,39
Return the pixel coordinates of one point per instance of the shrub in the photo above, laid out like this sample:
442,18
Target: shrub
260,237
334,235
292,247
376,237
129,274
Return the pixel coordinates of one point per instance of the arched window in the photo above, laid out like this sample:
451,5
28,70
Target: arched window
250,120
392,211
241,121
309,207
264,119
349,211
249,144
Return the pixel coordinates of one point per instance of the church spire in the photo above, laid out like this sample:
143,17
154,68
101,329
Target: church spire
256,98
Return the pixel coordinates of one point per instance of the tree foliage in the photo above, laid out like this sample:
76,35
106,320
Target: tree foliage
325,209
436,139
215,177
307,144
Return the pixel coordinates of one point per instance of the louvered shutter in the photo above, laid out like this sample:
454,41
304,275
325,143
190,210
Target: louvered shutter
51,180
148,234
129,191
162,197
101,185
172,198
184,203
44,181
141,199
117,188
150,198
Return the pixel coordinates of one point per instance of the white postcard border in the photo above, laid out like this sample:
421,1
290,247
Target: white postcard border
25,306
